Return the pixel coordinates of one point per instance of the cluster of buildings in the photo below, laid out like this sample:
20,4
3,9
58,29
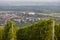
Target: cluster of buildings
23,17
26,20
6,17
30,13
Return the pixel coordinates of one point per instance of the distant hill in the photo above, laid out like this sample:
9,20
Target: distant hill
41,9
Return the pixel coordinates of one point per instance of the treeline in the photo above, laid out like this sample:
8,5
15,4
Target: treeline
41,30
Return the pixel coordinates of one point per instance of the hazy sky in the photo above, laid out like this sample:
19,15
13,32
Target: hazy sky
24,2
34,0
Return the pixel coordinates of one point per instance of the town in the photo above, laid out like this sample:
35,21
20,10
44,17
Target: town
21,18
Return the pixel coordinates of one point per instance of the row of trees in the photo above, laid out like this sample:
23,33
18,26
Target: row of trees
41,30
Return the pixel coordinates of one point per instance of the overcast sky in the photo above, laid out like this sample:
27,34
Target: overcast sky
34,0
21,2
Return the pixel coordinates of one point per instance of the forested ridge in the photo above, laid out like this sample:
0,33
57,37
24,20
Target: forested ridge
41,30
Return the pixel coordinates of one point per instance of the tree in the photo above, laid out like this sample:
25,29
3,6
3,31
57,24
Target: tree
6,30
41,30
57,31
0,33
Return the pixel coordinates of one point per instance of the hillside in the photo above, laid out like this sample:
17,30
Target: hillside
41,30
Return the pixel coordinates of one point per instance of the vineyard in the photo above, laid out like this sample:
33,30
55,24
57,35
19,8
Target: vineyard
41,30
